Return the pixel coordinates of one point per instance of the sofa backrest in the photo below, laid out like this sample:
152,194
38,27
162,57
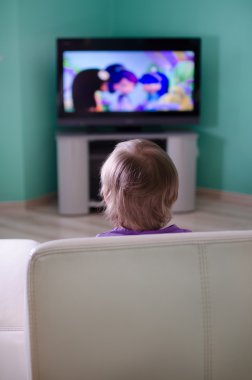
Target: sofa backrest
142,307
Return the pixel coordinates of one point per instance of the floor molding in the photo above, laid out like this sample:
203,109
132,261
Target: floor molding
45,199
224,196
218,195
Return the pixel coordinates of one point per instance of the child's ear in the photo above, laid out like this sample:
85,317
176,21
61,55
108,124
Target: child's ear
103,196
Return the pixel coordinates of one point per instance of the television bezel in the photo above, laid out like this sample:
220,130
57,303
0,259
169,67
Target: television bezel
127,119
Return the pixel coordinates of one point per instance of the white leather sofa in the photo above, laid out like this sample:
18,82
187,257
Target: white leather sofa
152,307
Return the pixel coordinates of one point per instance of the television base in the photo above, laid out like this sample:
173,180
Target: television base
75,162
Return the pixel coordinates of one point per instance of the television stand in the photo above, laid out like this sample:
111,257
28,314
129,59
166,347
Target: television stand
76,162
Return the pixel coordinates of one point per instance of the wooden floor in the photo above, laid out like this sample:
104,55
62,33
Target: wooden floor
43,223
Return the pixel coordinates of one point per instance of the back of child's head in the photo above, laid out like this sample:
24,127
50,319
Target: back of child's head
139,184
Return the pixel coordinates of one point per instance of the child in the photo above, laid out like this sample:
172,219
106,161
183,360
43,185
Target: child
139,184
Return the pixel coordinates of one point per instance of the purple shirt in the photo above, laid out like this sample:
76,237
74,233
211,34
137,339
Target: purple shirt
124,231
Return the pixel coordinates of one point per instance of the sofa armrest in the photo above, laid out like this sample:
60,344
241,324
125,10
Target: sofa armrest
14,256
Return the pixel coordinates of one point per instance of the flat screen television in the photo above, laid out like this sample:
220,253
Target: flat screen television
128,82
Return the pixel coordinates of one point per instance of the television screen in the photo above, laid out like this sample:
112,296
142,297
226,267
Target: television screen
128,81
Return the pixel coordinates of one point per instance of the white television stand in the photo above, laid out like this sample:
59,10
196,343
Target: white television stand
73,160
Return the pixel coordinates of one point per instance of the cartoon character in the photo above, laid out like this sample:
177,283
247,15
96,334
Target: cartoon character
113,70
155,84
176,100
122,82
87,88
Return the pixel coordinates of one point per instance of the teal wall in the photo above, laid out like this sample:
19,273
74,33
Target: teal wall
225,132
11,138
27,81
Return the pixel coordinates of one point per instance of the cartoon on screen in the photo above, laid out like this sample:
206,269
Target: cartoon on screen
126,81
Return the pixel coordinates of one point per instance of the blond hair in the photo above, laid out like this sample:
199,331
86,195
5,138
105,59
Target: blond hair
139,184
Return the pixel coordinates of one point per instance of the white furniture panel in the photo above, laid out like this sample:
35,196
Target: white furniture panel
74,160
